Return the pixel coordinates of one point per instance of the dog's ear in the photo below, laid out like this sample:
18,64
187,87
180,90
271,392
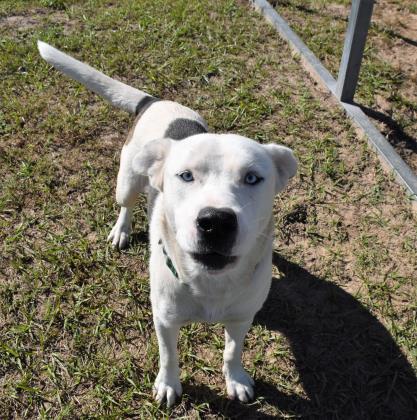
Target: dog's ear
150,161
285,163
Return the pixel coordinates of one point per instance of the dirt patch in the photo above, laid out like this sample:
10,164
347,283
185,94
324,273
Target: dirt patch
399,20
339,10
36,19
20,23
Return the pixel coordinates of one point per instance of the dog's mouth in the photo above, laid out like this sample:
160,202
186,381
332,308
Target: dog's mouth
213,261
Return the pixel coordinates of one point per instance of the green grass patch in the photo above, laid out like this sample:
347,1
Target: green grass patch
337,336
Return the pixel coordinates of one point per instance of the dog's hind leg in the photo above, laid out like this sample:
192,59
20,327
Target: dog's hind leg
129,186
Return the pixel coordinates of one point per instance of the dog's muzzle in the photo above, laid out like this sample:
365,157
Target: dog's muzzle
217,230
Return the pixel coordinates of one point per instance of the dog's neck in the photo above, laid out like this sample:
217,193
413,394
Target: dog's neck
203,282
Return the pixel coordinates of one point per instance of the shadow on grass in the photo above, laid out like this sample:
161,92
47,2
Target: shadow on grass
349,365
407,40
141,237
397,136
224,407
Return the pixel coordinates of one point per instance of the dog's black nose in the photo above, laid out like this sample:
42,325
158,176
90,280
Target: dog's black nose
216,221
217,228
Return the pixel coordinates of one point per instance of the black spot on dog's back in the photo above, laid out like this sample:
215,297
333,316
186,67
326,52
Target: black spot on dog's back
144,104
181,128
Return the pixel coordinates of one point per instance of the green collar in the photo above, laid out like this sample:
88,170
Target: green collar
168,261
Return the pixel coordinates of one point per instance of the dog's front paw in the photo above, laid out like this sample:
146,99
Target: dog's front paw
238,383
167,387
119,235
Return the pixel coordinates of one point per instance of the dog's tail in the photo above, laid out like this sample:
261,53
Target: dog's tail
117,93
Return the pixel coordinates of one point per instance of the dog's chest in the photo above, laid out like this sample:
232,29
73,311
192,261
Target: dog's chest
212,308
210,311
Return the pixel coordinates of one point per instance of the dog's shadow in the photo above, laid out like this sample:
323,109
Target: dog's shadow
349,365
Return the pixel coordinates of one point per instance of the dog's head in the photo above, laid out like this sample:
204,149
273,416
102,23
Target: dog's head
218,192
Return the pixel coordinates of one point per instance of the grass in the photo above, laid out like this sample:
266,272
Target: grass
337,336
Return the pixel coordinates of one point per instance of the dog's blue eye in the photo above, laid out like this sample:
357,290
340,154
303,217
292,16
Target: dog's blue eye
186,176
252,179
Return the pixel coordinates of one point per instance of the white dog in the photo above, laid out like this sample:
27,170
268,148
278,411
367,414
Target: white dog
211,229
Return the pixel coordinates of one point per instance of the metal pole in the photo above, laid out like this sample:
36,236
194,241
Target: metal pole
359,20
386,152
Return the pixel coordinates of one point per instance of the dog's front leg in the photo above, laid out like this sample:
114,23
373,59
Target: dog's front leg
119,235
238,382
167,384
